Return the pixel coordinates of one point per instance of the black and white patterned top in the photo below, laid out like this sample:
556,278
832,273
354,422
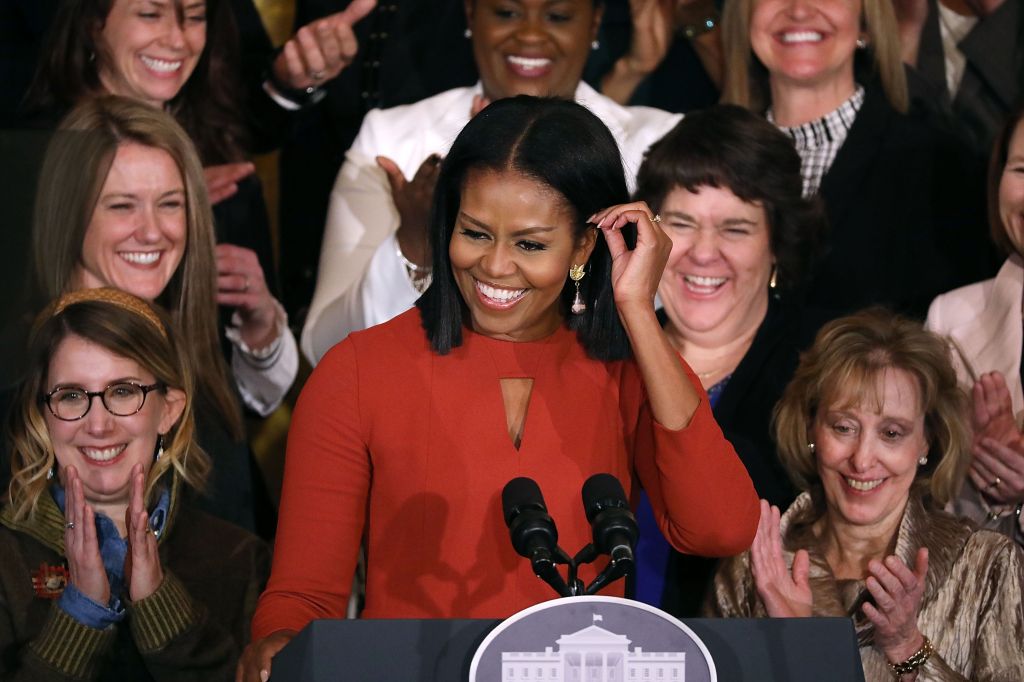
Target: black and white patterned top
818,141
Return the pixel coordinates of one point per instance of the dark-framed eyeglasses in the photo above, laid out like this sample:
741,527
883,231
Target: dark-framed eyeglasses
121,399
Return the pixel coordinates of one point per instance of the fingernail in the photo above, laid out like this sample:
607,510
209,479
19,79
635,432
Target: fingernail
264,675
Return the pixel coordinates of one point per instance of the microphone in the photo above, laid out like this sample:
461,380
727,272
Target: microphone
614,528
533,531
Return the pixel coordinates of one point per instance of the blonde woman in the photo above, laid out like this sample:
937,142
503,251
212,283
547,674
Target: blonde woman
872,430
127,583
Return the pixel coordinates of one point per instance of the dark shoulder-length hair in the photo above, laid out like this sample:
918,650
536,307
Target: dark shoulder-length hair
563,146
207,106
997,163
729,147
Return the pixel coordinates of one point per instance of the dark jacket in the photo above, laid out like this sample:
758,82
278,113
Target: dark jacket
907,217
193,627
744,411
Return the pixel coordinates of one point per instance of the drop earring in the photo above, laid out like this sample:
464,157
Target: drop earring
49,474
159,448
862,43
576,273
773,281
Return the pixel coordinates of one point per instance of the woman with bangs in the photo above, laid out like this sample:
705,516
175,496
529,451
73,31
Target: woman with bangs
106,574
872,429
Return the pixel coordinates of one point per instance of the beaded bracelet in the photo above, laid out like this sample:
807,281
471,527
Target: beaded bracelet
915,661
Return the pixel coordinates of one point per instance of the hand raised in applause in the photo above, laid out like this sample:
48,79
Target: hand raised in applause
637,272
142,570
897,593
241,285
785,594
321,49
997,464
412,199
222,180
80,544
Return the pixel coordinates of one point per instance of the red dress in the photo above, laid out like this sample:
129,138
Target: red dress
410,450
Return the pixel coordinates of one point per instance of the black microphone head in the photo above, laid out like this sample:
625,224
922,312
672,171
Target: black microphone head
519,494
602,491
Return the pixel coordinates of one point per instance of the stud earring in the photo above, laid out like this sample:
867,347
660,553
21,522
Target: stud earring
773,281
595,45
468,33
810,448
861,43
576,273
923,460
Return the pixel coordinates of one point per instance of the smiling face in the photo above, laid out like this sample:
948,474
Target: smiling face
137,234
867,454
511,250
1011,190
531,47
807,43
147,50
716,280
102,447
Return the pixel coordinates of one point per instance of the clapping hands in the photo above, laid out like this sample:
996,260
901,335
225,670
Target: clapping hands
997,466
785,593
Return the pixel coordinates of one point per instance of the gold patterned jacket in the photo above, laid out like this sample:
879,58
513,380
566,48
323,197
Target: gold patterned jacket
972,609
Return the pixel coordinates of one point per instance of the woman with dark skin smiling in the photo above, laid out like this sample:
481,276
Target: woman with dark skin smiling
375,259
508,366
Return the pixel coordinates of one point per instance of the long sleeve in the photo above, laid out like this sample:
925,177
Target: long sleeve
326,484
702,496
360,217
383,293
64,649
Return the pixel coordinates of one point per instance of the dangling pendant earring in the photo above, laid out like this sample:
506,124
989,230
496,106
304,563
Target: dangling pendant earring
159,448
49,474
576,273
773,280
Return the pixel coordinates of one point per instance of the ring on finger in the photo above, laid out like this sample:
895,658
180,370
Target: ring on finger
655,218
70,525
245,286
995,483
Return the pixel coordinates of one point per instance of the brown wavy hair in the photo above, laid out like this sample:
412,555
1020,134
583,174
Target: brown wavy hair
128,334
207,105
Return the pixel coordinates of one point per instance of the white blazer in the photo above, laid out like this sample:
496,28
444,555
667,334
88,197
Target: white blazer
985,323
362,281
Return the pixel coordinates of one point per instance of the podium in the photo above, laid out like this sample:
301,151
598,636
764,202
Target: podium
744,649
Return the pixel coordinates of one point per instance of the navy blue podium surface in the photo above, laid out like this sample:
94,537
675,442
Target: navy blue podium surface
761,650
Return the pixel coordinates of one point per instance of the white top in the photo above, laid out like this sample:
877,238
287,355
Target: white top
362,281
264,376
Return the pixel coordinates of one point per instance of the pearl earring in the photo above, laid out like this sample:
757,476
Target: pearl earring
923,460
468,33
810,447
595,45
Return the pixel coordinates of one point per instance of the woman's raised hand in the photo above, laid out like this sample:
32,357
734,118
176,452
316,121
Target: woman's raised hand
321,49
241,285
254,665
636,273
997,465
142,570
80,545
897,592
785,594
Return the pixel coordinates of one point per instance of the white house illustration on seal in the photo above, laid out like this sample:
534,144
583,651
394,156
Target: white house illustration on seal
593,654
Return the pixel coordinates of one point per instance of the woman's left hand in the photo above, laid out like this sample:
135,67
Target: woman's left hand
142,569
997,470
240,284
321,49
897,592
636,273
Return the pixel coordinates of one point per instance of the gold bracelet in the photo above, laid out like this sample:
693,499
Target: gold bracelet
916,660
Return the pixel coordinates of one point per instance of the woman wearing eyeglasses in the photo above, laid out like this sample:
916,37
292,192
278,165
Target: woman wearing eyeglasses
105,574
